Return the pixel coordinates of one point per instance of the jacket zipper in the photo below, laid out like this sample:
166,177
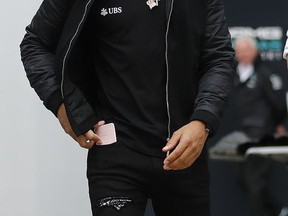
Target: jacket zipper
167,72
70,45
166,60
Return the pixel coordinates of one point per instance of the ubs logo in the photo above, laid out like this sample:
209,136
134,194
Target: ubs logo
111,11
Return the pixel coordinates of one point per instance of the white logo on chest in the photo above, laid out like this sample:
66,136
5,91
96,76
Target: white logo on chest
111,11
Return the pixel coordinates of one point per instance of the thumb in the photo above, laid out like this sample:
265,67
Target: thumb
100,123
172,143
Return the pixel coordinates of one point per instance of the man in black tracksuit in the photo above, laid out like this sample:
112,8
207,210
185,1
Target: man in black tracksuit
160,71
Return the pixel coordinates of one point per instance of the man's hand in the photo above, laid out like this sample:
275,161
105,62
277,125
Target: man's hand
88,139
188,142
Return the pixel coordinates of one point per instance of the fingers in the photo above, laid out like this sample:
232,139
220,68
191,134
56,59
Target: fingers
89,139
100,123
84,142
184,160
172,143
190,140
171,161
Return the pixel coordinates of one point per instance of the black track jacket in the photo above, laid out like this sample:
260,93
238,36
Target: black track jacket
200,61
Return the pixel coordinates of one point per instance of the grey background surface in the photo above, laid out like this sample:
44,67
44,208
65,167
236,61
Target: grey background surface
42,171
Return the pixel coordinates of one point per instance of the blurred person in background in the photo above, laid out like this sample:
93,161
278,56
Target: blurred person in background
257,107
260,108
259,95
257,103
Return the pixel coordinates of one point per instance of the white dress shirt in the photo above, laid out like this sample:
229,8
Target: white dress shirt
245,72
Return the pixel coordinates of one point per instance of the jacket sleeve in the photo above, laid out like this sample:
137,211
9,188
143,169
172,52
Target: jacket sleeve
217,68
38,50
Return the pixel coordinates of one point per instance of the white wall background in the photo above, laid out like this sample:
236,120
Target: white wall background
42,171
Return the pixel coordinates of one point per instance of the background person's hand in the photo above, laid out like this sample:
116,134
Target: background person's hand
86,140
187,143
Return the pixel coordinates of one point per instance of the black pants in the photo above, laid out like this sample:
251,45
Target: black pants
121,180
